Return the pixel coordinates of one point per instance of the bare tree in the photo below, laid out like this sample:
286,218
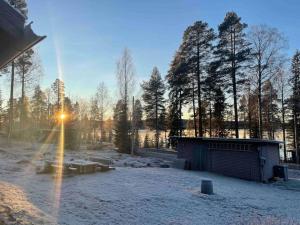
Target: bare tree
125,75
267,46
29,70
125,78
103,102
282,79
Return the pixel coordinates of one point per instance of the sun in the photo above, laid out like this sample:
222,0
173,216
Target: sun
62,116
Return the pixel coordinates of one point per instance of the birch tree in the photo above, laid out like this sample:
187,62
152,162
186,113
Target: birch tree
267,44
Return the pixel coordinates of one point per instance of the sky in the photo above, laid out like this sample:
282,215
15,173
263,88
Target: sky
85,38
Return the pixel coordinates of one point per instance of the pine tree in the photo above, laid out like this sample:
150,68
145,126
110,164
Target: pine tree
146,141
179,93
295,100
58,88
94,118
24,66
20,5
121,124
218,113
196,47
39,109
137,121
71,126
243,110
233,52
212,88
153,97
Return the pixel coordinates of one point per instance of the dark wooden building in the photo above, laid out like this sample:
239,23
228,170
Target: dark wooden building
250,159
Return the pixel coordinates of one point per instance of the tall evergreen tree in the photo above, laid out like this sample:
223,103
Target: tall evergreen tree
58,87
94,118
214,95
196,47
233,51
39,108
20,5
219,112
153,97
137,122
24,66
295,100
179,92
121,135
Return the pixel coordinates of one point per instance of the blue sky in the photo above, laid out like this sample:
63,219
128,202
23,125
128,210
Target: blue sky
88,36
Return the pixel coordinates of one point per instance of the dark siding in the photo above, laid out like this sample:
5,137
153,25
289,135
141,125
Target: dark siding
185,150
271,153
244,165
233,157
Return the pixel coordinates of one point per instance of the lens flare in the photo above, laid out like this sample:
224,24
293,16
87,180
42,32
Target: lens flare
59,164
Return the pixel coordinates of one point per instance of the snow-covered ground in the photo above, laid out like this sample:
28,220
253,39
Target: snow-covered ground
137,192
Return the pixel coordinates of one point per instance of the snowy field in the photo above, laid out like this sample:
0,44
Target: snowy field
137,192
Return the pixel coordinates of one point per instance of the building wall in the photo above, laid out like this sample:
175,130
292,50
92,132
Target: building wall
271,154
244,165
241,159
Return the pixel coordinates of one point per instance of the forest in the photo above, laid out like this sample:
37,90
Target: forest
234,81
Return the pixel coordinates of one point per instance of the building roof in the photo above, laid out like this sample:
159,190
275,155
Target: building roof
248,140
15,36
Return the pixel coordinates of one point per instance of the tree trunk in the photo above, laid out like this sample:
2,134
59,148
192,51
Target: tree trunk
295,120
11,100
249,115
233,68
295,136
194,110
156,122
260,122
22,116
132,127
271,114
180,120
283,123
210,115
199,93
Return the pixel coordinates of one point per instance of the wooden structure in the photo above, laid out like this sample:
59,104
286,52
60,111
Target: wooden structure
250,159
75,167
15,36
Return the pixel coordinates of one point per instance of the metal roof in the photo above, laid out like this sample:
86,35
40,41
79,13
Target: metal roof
15,36
248,140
